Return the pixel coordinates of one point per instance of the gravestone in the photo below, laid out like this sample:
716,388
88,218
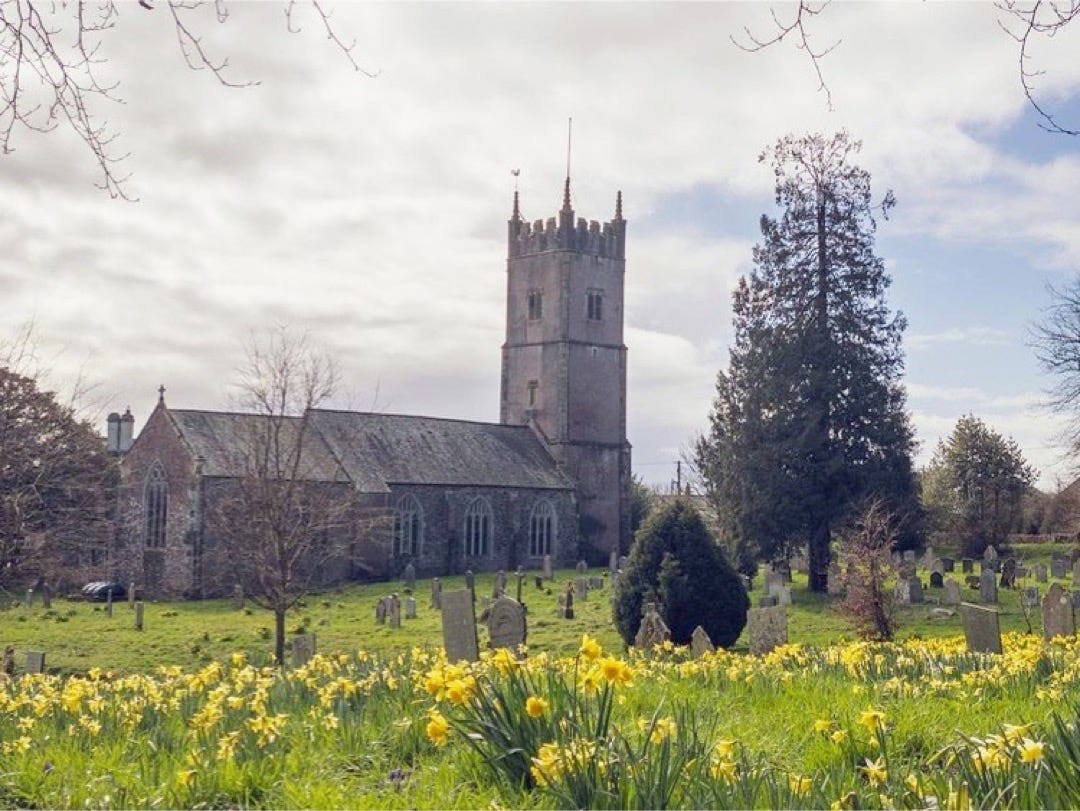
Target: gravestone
834,583
652,631
8,666
990,553
408,576
380,611
952,593
410,608
1058,567
582,567
700,644
581,588
303,648
767,628
948,565
520,575
29,598
596,583
988,587
782,594
539,581
767,601
394,611
613,562
937,566
800,562
46,596
139,615
928,558
238,597
506,624
906,570
131,594
1076,573
1008,574
773,578
967,566
436,593
1039,571
909,555
566,605
1029,597
937,580
982,628
1058,618
499,586
1074,555
783,568
1076,598
459,626
470,583
902,592
548,571
35,661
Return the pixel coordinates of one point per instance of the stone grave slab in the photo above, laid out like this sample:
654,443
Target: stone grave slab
982,628
1058,617
303,648
767,629
506,623
459,626
700,644
35,661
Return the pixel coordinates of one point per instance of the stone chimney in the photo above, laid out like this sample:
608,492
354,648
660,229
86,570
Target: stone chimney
112,437
127,430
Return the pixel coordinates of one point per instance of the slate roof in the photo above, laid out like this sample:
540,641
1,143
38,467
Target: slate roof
376,451
224,440
379,450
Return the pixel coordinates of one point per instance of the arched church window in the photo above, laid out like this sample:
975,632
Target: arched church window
408,526
541,529
535,305
155,507
595,309
478,527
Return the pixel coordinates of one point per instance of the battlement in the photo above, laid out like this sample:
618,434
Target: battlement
560,233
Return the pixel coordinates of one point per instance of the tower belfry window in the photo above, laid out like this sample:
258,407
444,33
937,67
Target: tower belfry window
533,386
535,305
595,310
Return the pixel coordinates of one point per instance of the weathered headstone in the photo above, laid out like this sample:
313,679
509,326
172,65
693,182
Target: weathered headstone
8,666
613,562
131,594
29,603
988,587
772,577
1008,574
782,594
952,593
982,628
408,576
1058,618
459,626
581,588
506,623
410,608
394,611
303,648
436,593
539,581
906,570
139,615
46,596
909,555
1039,571
783,568
936,566
520,575
1058,567
548,571
499,586
470,583
566,605
700,644
35,661
595,583
834,583
238,597
967,566
948,565
990,553
937,580
1076,573
582,567
902,592
767,629
1029,597
652,631
380,611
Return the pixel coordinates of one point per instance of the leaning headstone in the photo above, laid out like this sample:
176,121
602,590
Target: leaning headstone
506,623
238,597
408,576
652,631
303,648
394,611
1029,597
767,628
929,558
1058,568
1008,574
834,583
548,571
35,661
582,567
410,608
1039,570
967,566
700,644
139,615
952,593
581,588
988,587
982,628
459,626
948,565
937,580
1058,618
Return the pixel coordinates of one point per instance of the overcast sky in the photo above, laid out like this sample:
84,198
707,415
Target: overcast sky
373,211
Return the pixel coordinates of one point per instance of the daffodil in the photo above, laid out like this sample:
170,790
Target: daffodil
875,771
535,706
872,719
1032,751
590,648
438,728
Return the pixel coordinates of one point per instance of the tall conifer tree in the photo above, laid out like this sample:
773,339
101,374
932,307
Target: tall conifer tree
809,417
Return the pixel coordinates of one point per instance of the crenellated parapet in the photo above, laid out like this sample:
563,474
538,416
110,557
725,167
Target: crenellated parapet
606,240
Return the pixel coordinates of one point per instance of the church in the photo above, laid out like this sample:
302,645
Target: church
552,477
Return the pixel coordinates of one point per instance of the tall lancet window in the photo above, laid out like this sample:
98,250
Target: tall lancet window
408,526
478,526
155,507
541,529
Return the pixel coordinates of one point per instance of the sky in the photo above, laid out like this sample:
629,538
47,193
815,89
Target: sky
372,211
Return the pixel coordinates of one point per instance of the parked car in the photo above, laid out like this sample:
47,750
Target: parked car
99,591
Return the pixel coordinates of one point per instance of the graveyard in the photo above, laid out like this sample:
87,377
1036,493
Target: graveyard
970,706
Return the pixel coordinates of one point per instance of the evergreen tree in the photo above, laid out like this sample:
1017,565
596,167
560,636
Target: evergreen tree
809,418
675,562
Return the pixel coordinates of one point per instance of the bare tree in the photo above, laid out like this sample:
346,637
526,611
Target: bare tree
867,549
52,56
1056,341
292,518
1026,22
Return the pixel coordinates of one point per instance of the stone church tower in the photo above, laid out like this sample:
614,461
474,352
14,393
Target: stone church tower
564,360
